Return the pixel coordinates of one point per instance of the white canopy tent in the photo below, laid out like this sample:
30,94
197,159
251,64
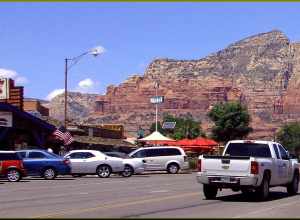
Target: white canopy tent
156,136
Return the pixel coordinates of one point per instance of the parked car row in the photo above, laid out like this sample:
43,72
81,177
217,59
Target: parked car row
14,165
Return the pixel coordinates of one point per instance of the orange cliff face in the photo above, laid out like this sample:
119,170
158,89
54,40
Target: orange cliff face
261,71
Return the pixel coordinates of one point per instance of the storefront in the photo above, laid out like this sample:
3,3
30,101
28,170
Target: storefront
19,129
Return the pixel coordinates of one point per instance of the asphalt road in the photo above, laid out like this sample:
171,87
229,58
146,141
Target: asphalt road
148,195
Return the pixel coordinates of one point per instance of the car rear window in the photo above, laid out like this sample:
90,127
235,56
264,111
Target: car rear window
170,152
36,155
248,149
10,156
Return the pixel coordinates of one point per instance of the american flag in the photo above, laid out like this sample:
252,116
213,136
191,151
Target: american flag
62,134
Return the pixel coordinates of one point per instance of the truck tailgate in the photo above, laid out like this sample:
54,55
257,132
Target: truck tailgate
226,165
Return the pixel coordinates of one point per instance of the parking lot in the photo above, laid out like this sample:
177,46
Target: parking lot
146,195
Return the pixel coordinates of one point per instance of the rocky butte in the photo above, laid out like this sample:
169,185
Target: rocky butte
261,71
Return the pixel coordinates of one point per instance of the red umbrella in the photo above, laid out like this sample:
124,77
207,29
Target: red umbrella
205,142
186,142
199,144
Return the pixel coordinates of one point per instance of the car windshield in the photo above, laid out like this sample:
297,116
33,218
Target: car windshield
248,149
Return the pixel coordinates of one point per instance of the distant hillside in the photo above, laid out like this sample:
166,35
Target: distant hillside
261,71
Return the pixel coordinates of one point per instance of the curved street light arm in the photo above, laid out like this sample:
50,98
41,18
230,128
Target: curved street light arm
75,60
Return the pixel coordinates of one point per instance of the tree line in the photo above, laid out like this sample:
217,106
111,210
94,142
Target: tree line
231,122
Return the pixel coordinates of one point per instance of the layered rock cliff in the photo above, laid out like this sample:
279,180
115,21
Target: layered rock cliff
261,71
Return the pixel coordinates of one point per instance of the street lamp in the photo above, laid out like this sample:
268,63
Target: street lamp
95,52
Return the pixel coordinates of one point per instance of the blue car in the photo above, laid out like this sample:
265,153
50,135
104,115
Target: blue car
44,164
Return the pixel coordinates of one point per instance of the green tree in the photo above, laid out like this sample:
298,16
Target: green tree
289,136
231,121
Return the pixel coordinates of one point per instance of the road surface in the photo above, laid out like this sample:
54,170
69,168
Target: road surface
146,196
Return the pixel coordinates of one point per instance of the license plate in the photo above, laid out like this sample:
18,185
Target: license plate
225,178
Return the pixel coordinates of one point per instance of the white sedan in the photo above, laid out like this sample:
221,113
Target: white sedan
93,162
132,165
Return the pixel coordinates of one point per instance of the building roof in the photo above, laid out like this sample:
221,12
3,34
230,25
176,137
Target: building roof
27,117
102,141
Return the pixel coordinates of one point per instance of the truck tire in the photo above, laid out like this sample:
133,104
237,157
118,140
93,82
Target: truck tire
263,190
292,187
210,192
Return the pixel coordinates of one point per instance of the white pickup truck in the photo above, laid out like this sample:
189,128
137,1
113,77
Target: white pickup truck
249,166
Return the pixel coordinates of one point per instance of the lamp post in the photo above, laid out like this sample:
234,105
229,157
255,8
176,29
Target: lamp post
94,51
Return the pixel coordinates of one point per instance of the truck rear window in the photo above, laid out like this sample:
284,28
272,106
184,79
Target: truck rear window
248,149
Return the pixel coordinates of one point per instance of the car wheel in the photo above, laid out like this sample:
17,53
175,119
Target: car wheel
13,175
210,192
173,168
293,187
128,171
104,171
264,189
49,174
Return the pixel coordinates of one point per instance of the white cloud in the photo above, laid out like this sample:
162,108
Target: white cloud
54,93
86,84
6,73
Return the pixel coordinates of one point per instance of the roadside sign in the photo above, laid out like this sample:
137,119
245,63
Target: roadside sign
4,88
169,125
157,99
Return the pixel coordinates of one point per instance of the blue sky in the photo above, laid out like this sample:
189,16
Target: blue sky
35,38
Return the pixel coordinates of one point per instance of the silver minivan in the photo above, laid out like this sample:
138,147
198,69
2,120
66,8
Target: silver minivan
171,159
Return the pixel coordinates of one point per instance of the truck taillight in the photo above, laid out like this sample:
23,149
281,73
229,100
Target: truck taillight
254,167
199,165
21,165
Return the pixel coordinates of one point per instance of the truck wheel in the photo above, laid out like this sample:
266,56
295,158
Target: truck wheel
292,188
210,192
263,190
